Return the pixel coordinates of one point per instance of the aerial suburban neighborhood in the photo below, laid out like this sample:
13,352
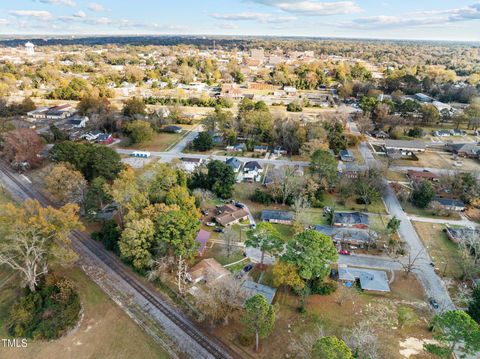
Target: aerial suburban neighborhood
273,194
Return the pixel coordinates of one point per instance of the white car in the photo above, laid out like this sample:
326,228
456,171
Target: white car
210,224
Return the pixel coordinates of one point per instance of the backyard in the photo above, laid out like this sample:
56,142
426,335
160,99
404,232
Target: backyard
338,313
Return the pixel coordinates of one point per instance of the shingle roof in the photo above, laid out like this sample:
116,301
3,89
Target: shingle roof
404,144
350,218
250,288
370,279
277,215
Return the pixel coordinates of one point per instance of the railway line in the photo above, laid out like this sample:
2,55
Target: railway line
85,246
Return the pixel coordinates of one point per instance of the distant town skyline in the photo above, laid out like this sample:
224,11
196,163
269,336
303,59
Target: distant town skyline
413,20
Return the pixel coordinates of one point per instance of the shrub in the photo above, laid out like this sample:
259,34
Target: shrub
47,313
262,197
294,107
323,287
109,235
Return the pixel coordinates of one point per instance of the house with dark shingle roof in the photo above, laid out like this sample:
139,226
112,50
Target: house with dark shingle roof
235,163
470,150
351,219
450,204
351,236
282,217
252,166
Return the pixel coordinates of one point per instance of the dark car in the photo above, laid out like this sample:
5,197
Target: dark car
433,303
248,268
239,205
219,230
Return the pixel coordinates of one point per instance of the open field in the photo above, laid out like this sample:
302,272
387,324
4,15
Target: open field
331,200
339,312
105,331
444,253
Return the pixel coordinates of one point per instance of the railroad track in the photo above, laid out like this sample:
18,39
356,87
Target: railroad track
83,244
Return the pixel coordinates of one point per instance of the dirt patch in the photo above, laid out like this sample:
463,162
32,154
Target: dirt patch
413,346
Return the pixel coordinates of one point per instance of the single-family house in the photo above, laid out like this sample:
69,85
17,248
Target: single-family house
229,214
450,204
234,163
442,133
208,270
369,279
350,219
347,156
104,139
349,236
282,217
380,134
470,150
420,176
77,121
406,147
252,166
260,149
59,112
189,163
249,289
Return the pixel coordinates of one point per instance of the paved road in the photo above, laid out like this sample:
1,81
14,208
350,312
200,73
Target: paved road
434,286
170,155
183,143
370,262
464,222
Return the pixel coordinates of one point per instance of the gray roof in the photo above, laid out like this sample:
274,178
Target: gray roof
471,148
450,202
277,215
340,234
404,144
252,165
370,279
350,218
251,288
233,162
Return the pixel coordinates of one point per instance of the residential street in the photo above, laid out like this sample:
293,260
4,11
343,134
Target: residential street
434,286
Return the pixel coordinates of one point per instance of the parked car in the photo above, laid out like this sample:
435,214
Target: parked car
433,303
248,268
219,230
344,252
210,224
239,205
204,212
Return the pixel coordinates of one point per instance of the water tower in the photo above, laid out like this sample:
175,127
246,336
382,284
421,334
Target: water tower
30,48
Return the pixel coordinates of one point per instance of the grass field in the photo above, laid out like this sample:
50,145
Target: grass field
105,330
444,253
331,200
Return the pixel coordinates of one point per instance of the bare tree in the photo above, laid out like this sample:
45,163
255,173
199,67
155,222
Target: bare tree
286,183
302,347
363,340
220,300
26,252
230,237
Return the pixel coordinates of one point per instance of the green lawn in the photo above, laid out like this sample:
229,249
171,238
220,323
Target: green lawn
332,200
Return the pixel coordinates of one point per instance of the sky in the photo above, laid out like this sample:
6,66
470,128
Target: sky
391,19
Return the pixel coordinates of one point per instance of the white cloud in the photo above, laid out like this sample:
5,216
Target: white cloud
70,3
313,7
4,22
420,18
80,14
253,16
95,7
37,14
